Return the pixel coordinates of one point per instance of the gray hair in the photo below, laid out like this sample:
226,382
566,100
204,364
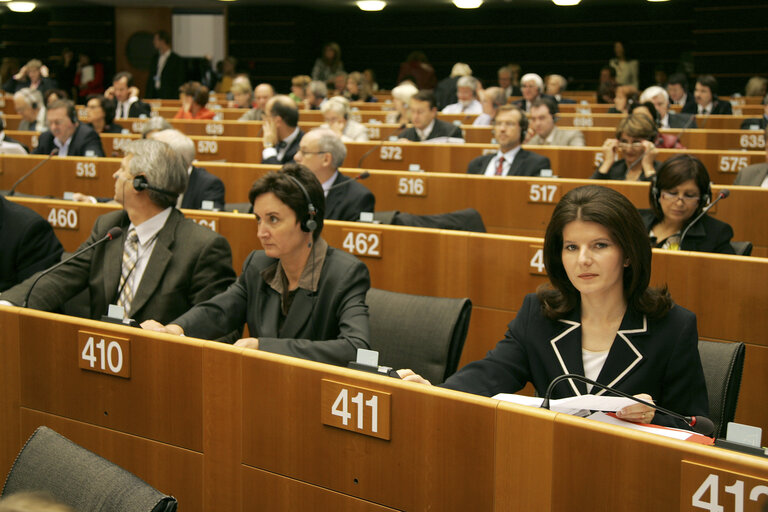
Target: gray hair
318,89
497,96
404,92
329,142
30,96
561,79
468,81
162,167
652,92
155,124
179,142
336,104
533,77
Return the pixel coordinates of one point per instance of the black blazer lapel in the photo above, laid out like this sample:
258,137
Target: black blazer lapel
567,347
625,355
190,195
299,314
517,164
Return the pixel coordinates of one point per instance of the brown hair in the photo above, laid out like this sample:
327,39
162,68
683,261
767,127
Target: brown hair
638,126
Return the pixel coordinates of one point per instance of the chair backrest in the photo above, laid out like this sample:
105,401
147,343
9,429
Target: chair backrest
79,478
742,248
425,334
723,364
467,219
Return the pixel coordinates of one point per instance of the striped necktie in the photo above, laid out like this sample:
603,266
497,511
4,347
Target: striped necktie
130,258
500,166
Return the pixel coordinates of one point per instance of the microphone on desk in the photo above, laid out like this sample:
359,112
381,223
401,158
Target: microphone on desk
700,424
721,195
383,139
111,235
31,171
362,176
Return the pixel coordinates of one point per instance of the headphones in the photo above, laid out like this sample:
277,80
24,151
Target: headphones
140,183
706,195
310,224
29,96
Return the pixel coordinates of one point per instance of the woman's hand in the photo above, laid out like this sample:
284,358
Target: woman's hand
638,413
153,325
609,149
248,343
410,375
649,155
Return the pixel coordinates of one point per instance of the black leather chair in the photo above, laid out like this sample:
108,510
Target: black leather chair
723,364
425,334
467,219
742,248
74,476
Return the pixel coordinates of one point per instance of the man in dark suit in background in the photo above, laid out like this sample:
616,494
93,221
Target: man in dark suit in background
509,129
67,134
757,123
555,87
126,97
202,186
29,244
162,264
426,126
660,99
677,87
707,102
323,152
167,72
281,131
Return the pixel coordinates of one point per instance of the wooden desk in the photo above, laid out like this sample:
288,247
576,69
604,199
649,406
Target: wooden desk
266,447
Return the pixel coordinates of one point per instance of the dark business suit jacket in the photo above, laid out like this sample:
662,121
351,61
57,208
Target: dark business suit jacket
655,356
346,202
618,171
189,264
441,129
707,235
203,186
28,243
526,163
328,326
752,176
761,122
84,140
174,74
682,120
719,108
290,153
523,103
139,108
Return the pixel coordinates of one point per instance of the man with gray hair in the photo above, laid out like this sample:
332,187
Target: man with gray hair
555,87
660,99
336,115
532,86
466,92
31,107
159,267
261,95
317,92
323,152
203,186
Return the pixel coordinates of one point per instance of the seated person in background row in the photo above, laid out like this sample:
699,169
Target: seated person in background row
202,185
677,87
33,75
8,144
660,99
532,87
162,264
101,114
194,97
555,86
336,114
466,93
678,193
509,129
707,102
663,140
298,296
281,131
401,98
67,134
598,318
426,126
29,105
52,95
358,88
126,95
755,175
543,130
322,152
317,94
261,95
626,96
635,137
29,244
757,123
242,93
491,98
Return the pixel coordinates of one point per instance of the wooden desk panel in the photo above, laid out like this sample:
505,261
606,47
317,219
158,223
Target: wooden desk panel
10,396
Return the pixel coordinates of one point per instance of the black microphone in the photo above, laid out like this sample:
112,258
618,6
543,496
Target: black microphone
700,424
29,173
721,195
362,176
400,127
112,234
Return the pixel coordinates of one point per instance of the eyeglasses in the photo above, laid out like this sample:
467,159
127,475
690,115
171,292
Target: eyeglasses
634,145
685,198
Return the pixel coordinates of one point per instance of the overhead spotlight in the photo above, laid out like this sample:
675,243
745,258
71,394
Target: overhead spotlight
371,5
564,3
467,4
21,6
658,0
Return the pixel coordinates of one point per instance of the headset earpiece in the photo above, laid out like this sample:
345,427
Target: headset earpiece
140,183
655,193
310,224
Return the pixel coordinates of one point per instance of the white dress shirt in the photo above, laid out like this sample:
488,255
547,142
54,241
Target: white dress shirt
283,147
423,134
473,107
509,157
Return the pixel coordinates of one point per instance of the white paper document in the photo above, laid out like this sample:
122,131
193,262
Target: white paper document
572,403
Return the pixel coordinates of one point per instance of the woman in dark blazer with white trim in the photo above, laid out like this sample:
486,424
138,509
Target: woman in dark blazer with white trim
598,318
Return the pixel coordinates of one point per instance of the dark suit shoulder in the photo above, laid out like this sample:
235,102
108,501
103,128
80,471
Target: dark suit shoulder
479,164
410,134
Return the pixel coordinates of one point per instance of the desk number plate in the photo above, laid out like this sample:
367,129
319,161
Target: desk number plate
356,409
104,353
